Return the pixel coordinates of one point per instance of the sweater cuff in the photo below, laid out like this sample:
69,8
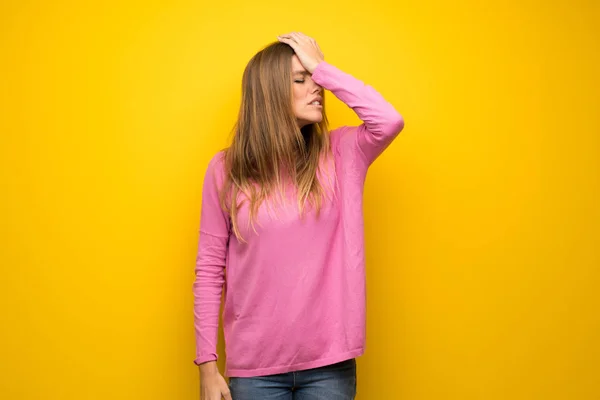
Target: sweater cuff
205,358
320,73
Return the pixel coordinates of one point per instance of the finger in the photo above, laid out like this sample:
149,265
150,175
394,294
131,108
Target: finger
288,39
309,39
287,36
289,42
297,37
227,396
304,36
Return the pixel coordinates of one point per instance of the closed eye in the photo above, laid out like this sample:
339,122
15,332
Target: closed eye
299,81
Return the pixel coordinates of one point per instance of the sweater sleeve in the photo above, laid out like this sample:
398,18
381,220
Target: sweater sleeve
210,265
381,122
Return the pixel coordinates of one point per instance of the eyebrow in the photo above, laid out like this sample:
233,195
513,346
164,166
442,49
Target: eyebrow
305,73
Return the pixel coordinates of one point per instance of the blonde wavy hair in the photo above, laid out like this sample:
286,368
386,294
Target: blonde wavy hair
268,146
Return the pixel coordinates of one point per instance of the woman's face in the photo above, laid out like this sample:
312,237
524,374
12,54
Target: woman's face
306,95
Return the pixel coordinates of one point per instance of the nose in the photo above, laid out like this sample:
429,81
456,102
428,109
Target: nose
316,88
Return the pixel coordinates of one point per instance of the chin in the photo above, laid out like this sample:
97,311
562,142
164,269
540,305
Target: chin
314,119
309,121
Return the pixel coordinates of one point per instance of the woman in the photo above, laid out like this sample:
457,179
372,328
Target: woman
282,231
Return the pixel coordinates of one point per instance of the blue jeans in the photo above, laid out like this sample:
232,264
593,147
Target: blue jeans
332,382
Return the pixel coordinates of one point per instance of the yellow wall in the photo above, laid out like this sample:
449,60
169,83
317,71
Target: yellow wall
483,221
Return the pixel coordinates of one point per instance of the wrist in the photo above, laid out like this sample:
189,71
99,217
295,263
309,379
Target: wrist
209,368
314,66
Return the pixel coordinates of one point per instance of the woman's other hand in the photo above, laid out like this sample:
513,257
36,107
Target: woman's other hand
212,384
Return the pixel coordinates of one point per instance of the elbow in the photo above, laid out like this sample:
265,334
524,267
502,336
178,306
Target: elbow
395,124
398,123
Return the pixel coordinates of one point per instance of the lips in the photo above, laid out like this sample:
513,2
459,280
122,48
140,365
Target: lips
317,99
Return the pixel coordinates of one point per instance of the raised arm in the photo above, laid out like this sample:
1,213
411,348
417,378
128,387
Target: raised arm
381,121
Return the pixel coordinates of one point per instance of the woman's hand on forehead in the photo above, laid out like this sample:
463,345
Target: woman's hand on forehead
305,47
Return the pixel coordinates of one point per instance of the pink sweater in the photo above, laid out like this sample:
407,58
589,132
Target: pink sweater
295,292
